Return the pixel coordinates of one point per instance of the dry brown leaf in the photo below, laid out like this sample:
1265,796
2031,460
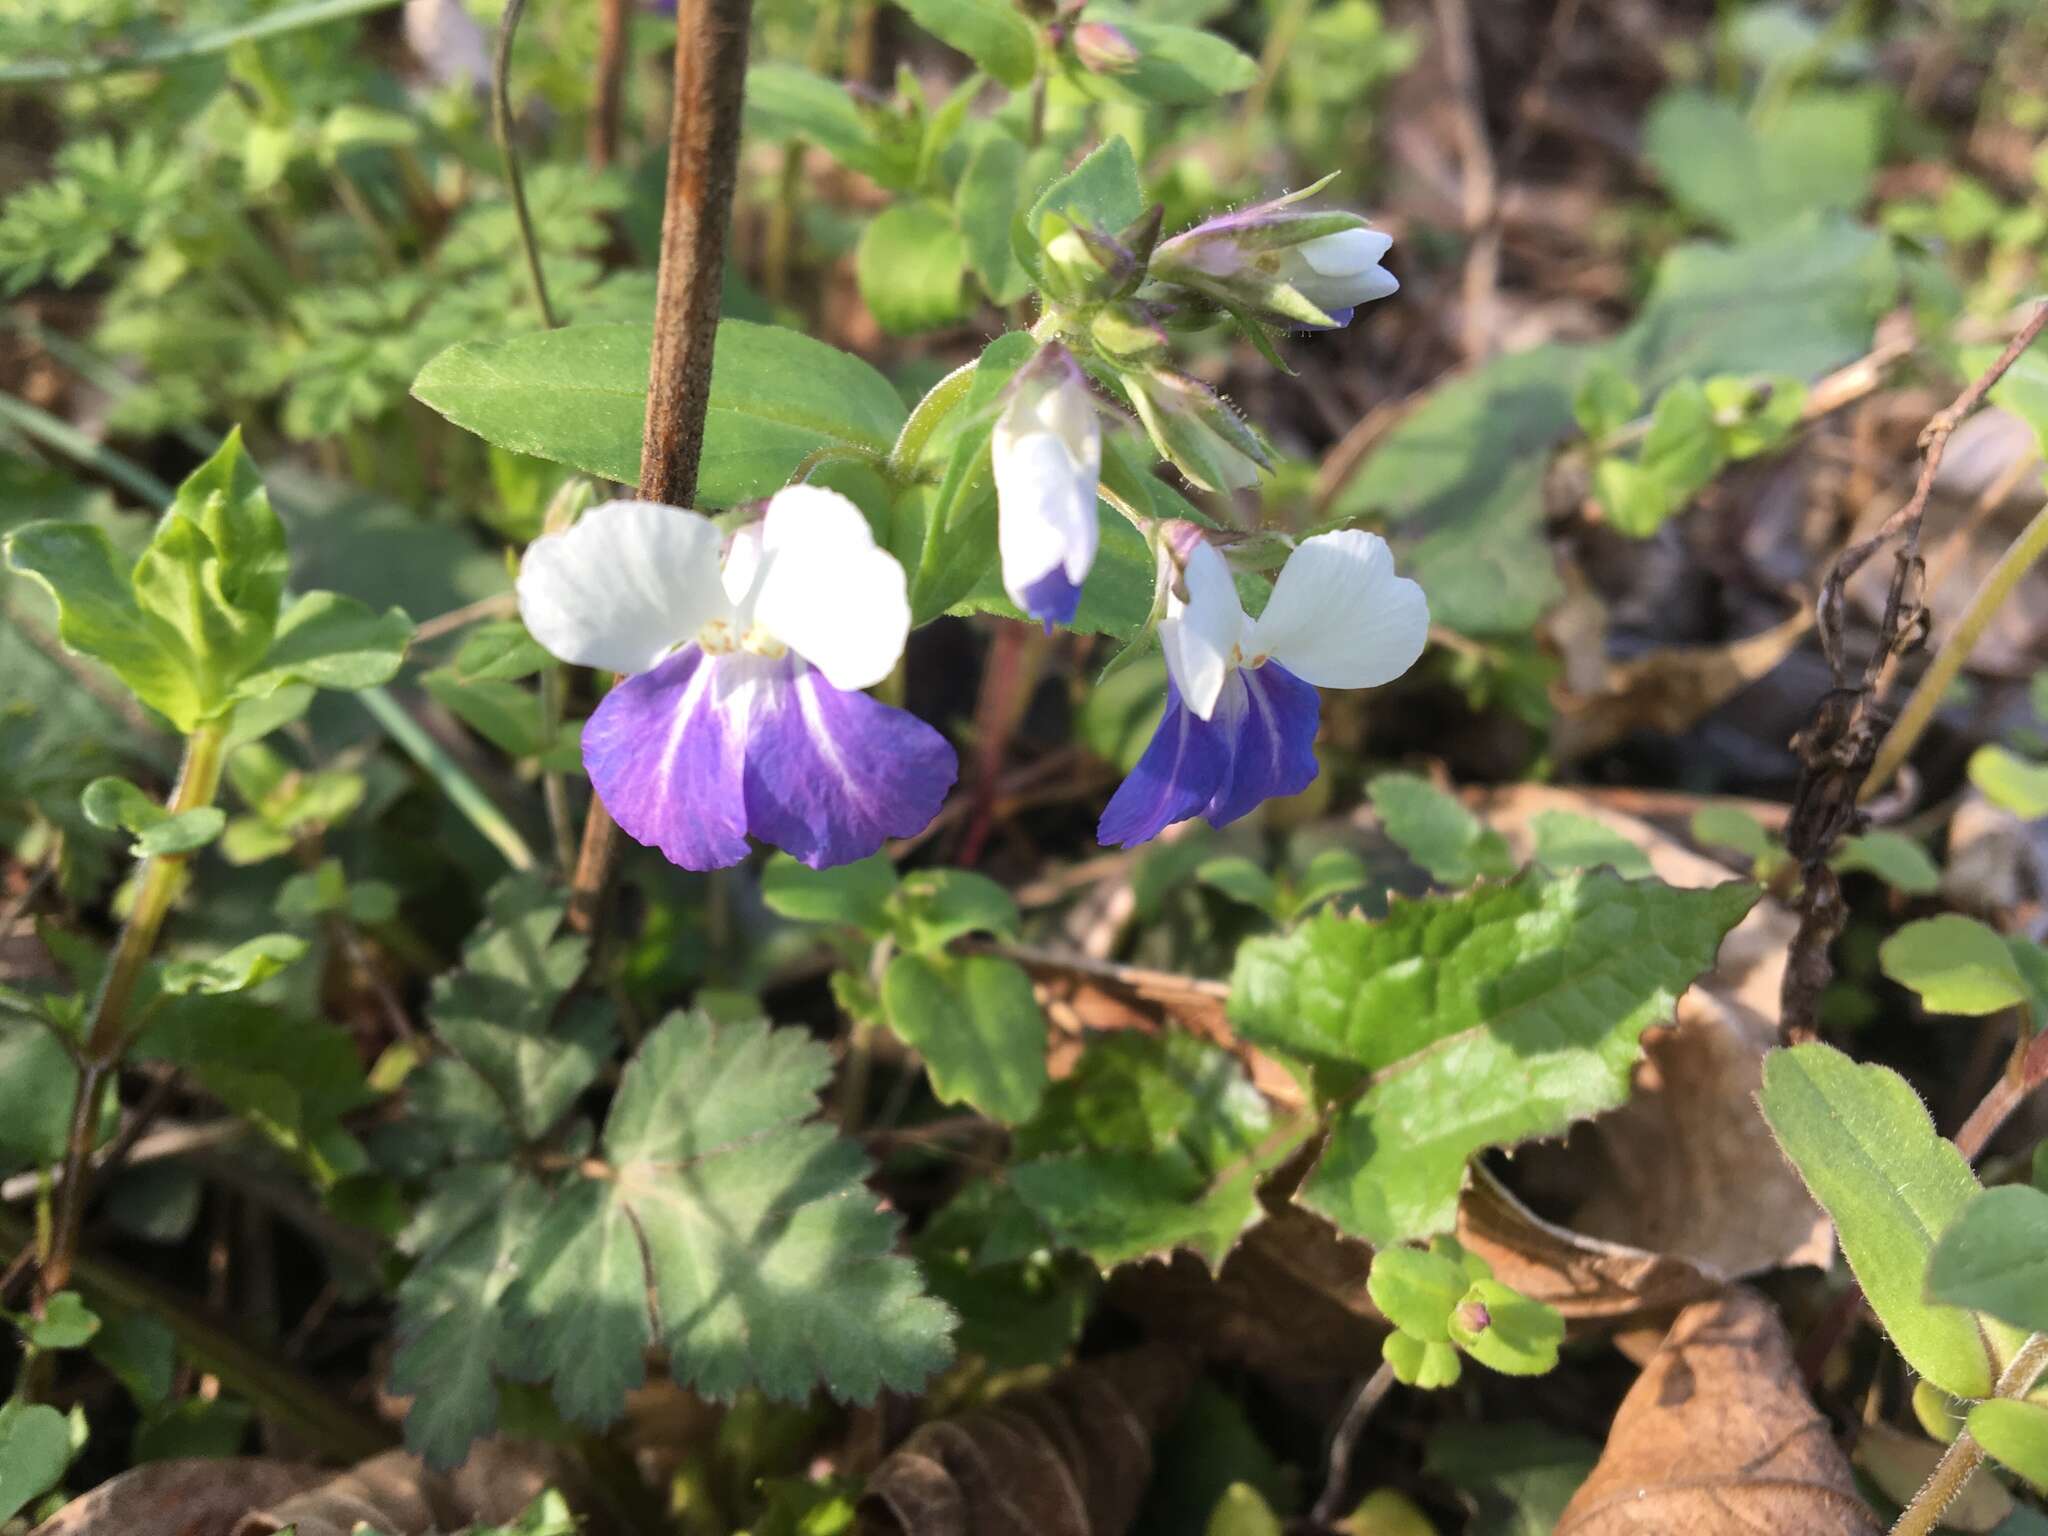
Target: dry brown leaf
195,1497
1717,1438
1069,1459
1669,690
398,1494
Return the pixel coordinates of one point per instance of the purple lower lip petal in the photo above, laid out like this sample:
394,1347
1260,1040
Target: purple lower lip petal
667,762
1053,598
1178,775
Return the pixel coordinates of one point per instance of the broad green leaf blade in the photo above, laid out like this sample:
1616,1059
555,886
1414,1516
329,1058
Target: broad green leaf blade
1893,857
1102,191
330,641
2011,781
856,894
933,907
1465,1022
1566,840
975,1022
1417,1290
35,1448
97,616
1152,1144
1994,1257
578,396
1436,831
1179,66
1955,963
67,1323
985,206
784,102
993,33
769,1262
469,1237
1866,1147
2015,1432
912,268
1814,149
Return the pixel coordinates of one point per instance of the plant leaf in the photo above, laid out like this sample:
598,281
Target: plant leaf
578,396
1994,1257
1955,963
912,267
35,1448
991,32
2015,1432
975,1022
1866,1147
1437,832
1460,1023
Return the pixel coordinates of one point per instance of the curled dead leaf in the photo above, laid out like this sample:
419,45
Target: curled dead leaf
1069,1459
189,1497
1718,1438
400,1495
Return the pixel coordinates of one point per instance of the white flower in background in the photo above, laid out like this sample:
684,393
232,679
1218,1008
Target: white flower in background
741,712
1047,455
1241,704
1286,265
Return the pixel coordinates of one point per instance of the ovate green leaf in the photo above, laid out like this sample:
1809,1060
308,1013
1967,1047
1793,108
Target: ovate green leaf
1436,831
1465,1022
993,33
578,396
35,1448
1955,963
331,641
1994,1257
1866,1147
2011,781
2015,1432
975,1022
912,268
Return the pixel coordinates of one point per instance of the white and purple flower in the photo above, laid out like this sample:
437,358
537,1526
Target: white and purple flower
1288,266
1241,702
1047,457
740,712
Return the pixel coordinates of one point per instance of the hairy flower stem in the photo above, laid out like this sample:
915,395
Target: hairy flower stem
703,167
1946,1481
107,1032
931,411
2004,579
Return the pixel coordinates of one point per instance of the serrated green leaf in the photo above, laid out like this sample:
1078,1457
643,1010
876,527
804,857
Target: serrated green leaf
1955,963
98,616
975,1022
1993,1257
856,894
1866,1147
933,907
912,268
1102,192
2010,781
1566,840
2015,1432
1151,1144
578,396
768,1262
1505,1330
993,33
469,1237
331,641
1460,1023
35,1448
1891,856
1438,833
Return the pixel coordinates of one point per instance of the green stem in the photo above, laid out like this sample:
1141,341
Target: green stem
463,792
934,408
1933,686
1946,1481
107,1033
501,130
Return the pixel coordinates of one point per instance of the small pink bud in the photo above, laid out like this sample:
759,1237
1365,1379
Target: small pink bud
1104,49
1474,1317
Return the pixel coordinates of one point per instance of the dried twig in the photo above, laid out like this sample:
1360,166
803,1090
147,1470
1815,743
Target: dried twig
703,164
1479,186
1838,747
613,48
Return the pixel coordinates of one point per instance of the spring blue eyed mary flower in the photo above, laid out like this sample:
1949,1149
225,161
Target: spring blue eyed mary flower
1288,266
1241,701
741,710
1047,457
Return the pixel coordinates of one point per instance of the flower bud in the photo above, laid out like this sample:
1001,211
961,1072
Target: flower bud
1280,264
1083,265
1191,425
1104,49
1127,334
1046,454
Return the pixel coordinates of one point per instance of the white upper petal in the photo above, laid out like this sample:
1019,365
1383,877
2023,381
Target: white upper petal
625,585
1348,252
1339,617
1201,636
827,590
1045,501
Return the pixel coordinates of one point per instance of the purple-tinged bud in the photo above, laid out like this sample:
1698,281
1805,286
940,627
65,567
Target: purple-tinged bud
1474,1317
1104,49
